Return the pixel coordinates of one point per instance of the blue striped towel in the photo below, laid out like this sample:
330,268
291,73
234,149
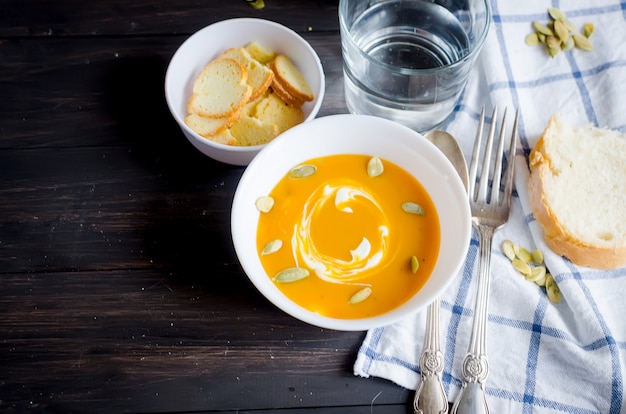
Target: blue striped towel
544,357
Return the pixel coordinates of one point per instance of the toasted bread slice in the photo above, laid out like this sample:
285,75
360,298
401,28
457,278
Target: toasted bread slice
224,137
251,131
280,90
260,77
220,90
208,127
259,52
249,109
273,110
290,77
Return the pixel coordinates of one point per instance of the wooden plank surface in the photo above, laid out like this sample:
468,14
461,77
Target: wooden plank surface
120,290
20,18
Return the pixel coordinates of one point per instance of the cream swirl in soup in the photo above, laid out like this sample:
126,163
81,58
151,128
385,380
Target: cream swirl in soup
347,243
344,197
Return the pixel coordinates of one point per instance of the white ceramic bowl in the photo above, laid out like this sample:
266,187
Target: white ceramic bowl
206,44
355,134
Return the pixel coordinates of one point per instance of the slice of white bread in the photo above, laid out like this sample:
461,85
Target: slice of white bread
249,109
290,77
577,192
259,52
250,131
237,99
260,77
220,90
280,90
224,137
273,110
208,127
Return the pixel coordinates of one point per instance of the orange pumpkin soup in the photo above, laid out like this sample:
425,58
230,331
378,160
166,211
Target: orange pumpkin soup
348,236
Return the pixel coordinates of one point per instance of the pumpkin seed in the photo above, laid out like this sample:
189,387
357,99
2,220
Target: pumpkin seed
569,25
561,30
521,266
521,259
559,34
375,167
360,296
532,39
582,42
556,14
302,171
292,274
553,42
553,51
541,281
256,4
415,264
264,204
552,289
272,247
413,208
522,254
554,294
508,249
537,256
542,28
536,273
569,45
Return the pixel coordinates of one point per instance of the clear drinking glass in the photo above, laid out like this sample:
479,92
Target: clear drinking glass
409,60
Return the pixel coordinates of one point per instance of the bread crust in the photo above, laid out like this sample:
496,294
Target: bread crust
291,79
556,235
279,90
282,87
208,127
260,76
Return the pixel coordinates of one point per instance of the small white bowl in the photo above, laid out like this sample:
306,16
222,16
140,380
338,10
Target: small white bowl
208,43
355,134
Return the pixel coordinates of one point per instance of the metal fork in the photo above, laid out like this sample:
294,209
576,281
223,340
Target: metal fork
490,210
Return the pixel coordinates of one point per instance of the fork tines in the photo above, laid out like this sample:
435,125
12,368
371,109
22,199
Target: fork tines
482,192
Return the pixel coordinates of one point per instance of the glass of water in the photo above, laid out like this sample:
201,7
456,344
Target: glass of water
409,60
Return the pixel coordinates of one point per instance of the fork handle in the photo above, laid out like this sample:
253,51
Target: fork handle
471,399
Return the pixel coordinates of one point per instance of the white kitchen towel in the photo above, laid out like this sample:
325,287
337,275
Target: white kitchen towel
543,357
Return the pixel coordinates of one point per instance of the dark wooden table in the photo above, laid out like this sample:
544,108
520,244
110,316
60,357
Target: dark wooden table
120,290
